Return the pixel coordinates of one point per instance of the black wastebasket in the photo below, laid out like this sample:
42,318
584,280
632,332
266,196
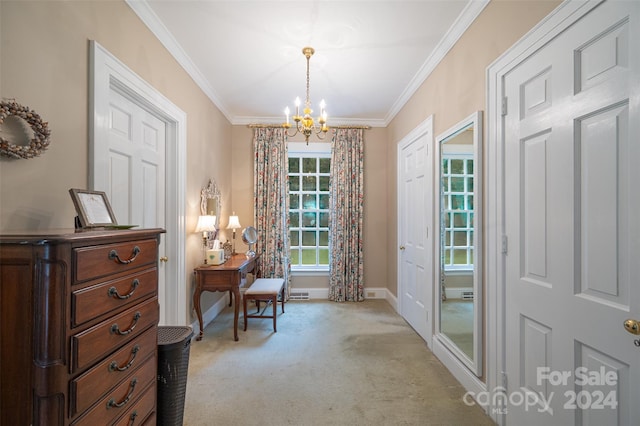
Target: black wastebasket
173,363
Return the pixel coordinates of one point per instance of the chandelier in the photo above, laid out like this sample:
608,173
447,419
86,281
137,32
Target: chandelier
305,123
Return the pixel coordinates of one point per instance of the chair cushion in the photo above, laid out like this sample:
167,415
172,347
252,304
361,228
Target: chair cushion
266,286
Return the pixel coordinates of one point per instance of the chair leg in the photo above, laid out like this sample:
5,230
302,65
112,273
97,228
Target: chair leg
275,308
244,309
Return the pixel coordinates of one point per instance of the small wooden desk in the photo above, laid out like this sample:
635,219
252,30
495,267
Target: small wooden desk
227,276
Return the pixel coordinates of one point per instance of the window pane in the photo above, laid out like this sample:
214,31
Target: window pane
470,184
460,238
325,165
308,220
324,201
469,167
446,202
294,219
445,184
324,183
308,165
457,167
324,238
294,201
447,220
294,183
294,165
470,202
295,257
309,238
294,238
460,220
457,202
309,256
457,184
309,183
324,220
447,238
447,257
445,166
308,201
459,256
323,255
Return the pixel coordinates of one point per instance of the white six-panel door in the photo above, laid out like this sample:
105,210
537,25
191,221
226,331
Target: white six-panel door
571,198
415,218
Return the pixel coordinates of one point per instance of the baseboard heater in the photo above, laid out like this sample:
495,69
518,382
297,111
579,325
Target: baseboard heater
467,295
299,295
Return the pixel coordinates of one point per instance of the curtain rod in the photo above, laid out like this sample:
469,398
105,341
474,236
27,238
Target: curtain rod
253,126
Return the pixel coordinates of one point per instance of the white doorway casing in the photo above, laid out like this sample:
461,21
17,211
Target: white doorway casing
562,235
415,224
110,79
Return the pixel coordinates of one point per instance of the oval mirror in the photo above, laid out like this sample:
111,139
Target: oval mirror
249,237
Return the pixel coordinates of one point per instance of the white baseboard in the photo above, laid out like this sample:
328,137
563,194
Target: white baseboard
462,374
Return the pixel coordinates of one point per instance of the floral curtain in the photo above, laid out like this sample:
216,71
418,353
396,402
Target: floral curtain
271,202
345,232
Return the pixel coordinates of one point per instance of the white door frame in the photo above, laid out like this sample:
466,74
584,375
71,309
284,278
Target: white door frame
107,72
560,19
423,128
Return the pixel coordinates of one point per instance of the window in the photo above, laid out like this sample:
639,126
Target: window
457,205
309,168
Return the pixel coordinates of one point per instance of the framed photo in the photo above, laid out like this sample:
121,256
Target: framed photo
93,208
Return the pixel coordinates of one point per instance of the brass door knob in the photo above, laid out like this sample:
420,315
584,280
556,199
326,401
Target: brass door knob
164,259
632,326
401,247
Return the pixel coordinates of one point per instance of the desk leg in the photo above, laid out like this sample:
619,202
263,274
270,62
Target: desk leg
236,309
196,305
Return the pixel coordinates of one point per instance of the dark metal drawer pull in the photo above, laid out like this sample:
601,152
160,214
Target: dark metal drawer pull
116,329
112,402
132,417
113,292
114,365
113,255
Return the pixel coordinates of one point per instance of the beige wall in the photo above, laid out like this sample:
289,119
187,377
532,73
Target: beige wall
44,57
375,199
457,86
44,65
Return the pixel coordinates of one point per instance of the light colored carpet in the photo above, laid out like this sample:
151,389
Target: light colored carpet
328,364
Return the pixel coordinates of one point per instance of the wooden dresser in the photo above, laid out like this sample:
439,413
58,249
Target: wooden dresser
78,321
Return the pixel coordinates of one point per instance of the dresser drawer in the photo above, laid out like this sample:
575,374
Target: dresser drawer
99,261
140,411
125,395
92,344
92,302
90,386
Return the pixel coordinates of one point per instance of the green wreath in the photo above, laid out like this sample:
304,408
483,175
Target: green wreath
41,131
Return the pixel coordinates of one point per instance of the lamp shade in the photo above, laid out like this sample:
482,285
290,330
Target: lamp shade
234,222
206,223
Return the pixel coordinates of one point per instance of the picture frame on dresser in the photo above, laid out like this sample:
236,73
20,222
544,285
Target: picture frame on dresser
93,208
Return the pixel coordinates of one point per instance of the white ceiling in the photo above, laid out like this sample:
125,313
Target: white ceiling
247,57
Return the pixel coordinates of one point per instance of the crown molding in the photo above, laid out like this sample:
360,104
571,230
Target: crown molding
461,24
151,20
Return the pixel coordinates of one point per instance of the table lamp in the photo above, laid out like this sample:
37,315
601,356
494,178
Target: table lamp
234,223
206,224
